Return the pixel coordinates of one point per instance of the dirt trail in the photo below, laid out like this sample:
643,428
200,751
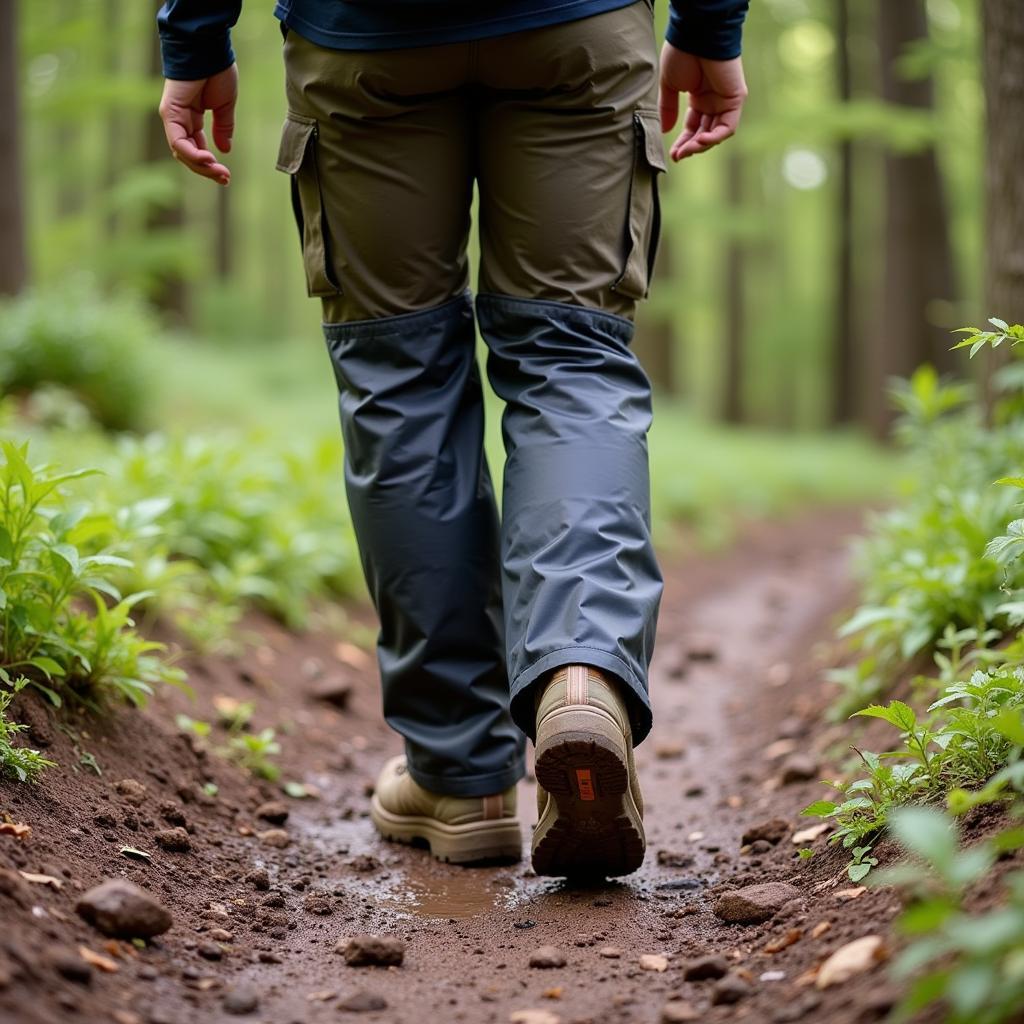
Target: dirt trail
736,688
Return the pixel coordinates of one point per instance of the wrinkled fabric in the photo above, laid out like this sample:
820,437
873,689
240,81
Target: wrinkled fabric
423,509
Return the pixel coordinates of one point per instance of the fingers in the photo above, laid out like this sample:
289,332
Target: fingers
707,132
668,105
224,125
182,111
199,160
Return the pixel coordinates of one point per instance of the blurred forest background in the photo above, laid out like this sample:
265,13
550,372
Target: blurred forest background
832,245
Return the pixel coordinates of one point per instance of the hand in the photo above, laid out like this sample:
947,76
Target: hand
716,90
183,108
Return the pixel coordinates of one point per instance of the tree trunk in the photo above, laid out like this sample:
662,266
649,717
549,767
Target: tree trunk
13,245
170,294
919,283
1004,93
734,313
844,384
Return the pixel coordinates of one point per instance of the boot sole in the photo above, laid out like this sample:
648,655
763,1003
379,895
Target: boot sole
453,844
591,826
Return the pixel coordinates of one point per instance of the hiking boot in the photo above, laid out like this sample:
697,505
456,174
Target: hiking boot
589,803
457,829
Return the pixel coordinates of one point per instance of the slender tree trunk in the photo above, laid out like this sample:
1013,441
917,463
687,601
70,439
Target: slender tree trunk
1004,93
844,384
13,245
170,294
919,274
735,312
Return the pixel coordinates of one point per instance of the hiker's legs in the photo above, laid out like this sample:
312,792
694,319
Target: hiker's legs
381,150
570,148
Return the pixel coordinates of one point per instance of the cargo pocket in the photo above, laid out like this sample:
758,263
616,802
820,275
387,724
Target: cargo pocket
643,223
297,158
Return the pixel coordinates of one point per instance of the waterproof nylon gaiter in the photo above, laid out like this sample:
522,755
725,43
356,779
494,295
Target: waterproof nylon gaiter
423,507
581,582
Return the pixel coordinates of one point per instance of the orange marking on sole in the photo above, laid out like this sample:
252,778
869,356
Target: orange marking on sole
584,784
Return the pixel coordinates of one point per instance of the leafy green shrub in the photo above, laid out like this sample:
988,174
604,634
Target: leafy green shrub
971,963
93,347
62,619
18,763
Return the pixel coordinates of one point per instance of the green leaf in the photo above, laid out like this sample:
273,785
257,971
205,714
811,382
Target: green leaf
819,809
858,871
926,832
48,666
1010,723
1001,324
896,713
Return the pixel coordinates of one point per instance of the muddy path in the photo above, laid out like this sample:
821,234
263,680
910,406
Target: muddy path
738,742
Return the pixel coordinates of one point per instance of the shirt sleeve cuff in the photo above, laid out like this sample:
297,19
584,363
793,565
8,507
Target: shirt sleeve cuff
196,57
715,38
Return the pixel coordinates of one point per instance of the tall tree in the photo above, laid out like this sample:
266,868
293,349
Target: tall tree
733,295
13,246
844,384
919,273
1003,22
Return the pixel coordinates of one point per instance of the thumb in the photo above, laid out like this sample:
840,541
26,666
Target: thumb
224,125
668,105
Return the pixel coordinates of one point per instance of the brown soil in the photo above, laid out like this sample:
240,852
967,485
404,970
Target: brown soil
737,687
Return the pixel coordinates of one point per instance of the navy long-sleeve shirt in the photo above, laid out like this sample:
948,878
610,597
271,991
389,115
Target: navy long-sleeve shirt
195,35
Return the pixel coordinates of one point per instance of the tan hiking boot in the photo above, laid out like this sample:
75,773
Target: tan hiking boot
458,829
589,802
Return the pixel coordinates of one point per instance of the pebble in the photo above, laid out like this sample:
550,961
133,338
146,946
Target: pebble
372,951
259,879
274,811
241,1000
610,952
334,691
131,791
122,910
705,968
210,951
653,962
534,1017
72,967
174,840
755,903
678,1012
675,859
172,813
275,837
852,959
547,957
363,1002
318,903
772,831
728,990
798,768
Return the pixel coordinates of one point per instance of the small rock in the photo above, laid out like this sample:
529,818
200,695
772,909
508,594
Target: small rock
74,968
755,903
122,910
131,791
372,951
210,951
798,768
772,831
259,879
334,691
274,811
318,903
363,1002
534,1017
275,837
241,1000
364,863
668,751
705,968
172,813
610,952
678,1012
174,840
728,990
220,935
653,962
675,859
854,958
547,957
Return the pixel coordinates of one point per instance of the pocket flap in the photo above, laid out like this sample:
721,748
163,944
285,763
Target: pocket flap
649,124
295,138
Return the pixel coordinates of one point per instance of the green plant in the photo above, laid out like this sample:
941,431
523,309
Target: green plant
93,347
18,763
969,962
254,752
63,622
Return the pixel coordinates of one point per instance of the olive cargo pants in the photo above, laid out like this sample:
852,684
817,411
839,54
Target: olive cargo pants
558,127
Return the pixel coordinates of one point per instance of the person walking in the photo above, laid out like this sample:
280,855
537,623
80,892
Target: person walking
539,624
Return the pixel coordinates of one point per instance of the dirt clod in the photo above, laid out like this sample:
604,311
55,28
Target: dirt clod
372,951
705,968
122,910
547,957
275,837
798,768
241,1000
772,831
755,903
728,990
363,1002
173,840
678,1012
274,811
